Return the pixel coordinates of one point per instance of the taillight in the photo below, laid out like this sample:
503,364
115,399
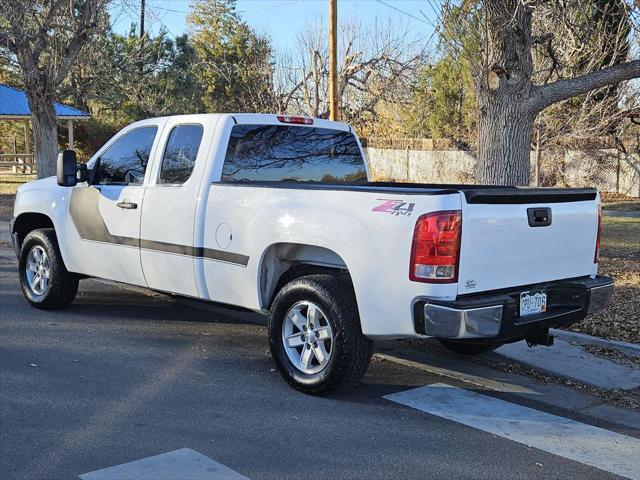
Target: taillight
435,253
596,257
295,120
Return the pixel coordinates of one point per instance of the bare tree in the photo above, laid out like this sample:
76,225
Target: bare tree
375,66
44,38
511,92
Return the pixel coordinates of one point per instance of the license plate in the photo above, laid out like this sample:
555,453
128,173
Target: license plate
533,302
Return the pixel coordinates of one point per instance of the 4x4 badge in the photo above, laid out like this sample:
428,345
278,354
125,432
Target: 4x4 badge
395,207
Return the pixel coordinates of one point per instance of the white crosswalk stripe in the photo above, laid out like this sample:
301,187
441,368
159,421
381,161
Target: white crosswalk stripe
177,465
597,447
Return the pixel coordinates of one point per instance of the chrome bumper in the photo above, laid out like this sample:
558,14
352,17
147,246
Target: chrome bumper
446,322
496,315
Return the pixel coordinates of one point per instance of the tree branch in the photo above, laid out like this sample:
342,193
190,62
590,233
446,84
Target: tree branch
545,95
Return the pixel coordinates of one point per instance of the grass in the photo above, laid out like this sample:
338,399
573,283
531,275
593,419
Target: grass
628,206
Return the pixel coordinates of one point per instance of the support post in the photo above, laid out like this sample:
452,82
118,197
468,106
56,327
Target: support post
27,148
334,114
27,138
70,128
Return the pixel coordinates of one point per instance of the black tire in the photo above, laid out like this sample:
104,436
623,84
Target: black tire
351,351
62,285
468,348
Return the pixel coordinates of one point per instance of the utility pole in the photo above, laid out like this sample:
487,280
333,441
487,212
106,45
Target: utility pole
334,114
141,67
141,19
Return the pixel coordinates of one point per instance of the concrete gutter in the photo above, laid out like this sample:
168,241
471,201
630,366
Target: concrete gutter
568,360
584,339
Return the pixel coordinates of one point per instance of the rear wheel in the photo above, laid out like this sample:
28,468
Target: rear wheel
315,336
469,348
45,281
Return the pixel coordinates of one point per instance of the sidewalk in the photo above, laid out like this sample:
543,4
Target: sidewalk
569,359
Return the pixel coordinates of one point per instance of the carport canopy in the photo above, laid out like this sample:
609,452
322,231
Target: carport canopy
15,106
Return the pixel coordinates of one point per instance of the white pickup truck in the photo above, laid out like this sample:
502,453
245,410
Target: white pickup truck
275,214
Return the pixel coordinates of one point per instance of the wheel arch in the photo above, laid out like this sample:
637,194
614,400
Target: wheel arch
27,222
282,262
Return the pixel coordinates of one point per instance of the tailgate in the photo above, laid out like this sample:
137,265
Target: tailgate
507,242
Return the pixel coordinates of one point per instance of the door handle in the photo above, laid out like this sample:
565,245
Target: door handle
539,217
128,205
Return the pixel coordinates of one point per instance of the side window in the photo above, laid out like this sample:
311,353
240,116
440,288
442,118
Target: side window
180,153
126,160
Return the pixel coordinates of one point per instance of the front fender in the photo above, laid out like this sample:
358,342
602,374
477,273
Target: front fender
45,197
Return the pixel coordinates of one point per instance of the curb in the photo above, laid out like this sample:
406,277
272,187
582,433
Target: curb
584,339
530,389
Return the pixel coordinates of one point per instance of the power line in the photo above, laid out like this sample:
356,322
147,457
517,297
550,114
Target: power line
402,11
270,7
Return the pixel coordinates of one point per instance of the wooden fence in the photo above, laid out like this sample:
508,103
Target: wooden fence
17,163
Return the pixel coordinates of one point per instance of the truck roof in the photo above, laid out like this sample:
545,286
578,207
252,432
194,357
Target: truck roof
253,119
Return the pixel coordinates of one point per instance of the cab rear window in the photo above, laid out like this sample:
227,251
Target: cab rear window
274,153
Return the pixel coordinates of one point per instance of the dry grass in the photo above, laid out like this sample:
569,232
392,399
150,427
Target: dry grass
8,186
620,259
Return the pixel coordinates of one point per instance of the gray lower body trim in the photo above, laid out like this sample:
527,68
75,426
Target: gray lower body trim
90,225
198,252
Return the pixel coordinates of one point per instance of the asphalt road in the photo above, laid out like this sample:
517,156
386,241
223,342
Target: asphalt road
121,375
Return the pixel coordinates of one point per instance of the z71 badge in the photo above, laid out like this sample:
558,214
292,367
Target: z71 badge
395,207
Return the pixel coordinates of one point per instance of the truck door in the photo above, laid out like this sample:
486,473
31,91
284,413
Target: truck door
104,226
168,252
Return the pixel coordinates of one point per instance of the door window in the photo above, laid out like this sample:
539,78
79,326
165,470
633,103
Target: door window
125,162
180,154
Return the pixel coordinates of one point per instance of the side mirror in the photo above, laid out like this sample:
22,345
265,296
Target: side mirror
83,173
93,175
66,169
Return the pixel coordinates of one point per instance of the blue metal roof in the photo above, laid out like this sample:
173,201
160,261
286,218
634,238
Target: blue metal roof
13,103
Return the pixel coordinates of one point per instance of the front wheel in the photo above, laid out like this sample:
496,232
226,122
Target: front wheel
45,281
315,336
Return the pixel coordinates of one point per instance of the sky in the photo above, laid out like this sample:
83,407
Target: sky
281,20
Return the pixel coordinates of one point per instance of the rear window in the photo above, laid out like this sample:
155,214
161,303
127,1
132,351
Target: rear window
273,153
180,154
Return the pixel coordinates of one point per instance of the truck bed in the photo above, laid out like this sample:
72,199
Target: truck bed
476,194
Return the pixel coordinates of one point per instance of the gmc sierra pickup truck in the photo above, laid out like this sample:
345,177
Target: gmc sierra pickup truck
275,214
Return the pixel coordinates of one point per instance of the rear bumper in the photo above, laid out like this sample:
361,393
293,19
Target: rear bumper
496,317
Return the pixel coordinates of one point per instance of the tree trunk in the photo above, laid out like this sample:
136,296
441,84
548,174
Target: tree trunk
505,121
504,140
45,133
